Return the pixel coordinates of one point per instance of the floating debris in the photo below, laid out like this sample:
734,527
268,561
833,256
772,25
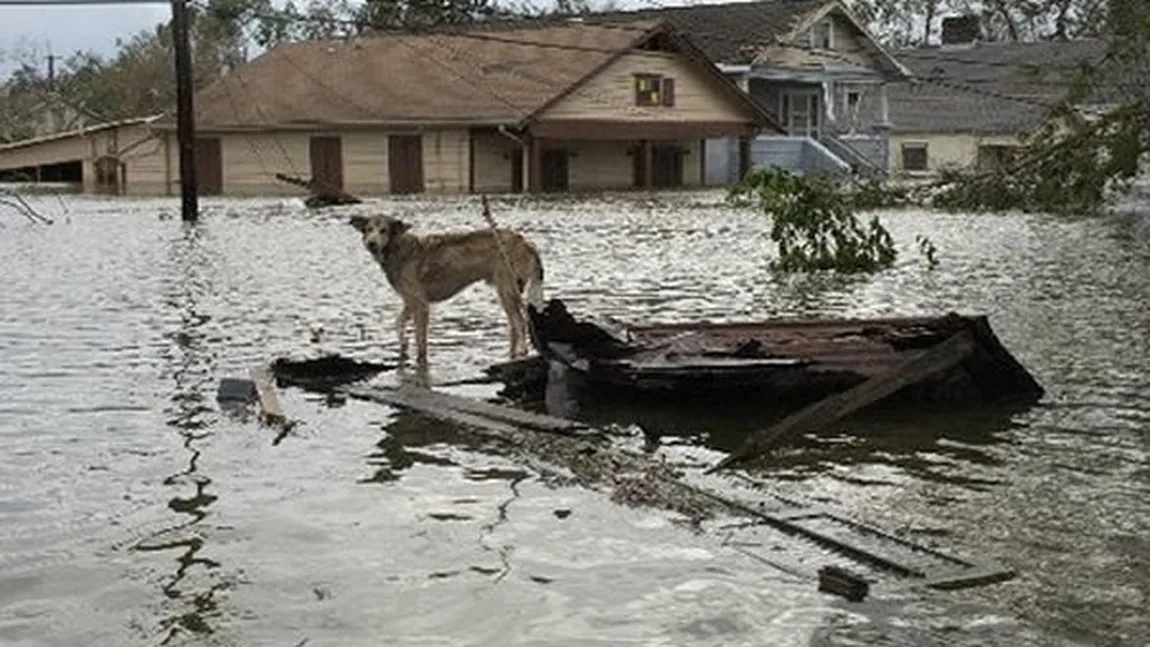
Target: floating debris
325,373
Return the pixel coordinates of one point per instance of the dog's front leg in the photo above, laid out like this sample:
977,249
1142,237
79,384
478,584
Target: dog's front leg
422,323
401,331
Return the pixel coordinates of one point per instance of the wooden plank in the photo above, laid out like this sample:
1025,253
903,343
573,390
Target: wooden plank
265,388
861,542
446,405
940,358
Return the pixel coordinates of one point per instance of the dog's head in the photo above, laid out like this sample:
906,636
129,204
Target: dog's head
378,232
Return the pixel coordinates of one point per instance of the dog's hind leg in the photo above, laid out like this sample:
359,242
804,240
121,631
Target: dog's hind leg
517,329
535,281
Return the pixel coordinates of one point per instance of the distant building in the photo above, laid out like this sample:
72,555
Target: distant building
537,107
973,103
811,63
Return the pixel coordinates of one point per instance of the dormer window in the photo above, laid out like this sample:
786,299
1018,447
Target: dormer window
822,35
654,90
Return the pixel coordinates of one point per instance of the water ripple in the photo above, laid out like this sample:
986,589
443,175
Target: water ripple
132,511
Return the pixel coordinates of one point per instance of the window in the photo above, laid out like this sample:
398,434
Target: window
654,90
821,36
852,102
914,157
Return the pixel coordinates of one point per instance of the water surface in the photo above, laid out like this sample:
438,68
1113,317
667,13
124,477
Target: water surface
134,512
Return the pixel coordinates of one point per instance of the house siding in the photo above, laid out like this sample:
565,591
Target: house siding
445,161
493,161
945,150
148,165
611,94
251,160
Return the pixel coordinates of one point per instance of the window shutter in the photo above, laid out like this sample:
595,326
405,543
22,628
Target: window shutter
669,92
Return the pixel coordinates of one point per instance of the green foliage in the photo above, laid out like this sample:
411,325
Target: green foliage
813,223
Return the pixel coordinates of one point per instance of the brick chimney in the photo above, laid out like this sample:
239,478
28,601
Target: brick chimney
960,30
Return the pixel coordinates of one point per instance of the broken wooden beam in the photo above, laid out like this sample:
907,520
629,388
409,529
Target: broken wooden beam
939,358
838,580
322,193
266,391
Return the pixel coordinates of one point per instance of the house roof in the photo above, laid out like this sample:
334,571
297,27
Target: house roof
79,132
457,76
730,32
994,88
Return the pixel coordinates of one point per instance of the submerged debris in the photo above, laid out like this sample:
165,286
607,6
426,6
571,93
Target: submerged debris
324,373
840,581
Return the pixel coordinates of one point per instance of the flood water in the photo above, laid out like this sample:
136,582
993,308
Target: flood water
133,511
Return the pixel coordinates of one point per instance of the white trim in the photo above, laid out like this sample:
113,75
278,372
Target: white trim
730,68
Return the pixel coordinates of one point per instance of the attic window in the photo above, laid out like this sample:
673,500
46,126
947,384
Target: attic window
822,35
654,90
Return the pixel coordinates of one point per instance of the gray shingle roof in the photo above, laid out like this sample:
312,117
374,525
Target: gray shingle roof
729,32
995,88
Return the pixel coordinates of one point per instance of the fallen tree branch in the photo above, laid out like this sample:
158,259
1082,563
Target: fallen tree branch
322,193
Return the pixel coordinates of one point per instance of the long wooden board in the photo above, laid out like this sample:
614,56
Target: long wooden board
448,405
940,358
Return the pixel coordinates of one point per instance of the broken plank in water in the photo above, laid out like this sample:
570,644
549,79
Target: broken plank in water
940,358
446,405
266,390
902,558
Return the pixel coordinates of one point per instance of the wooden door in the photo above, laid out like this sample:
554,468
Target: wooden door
553,170
517,170
405,163
667,166
639,165
326,155
209,166
107,175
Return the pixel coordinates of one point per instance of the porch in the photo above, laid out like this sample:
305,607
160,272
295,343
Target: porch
588,155
833,123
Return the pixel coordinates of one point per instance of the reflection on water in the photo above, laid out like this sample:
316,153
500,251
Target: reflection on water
191,371
133,512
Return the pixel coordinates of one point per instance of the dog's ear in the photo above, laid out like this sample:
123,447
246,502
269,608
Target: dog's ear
398,227
359,222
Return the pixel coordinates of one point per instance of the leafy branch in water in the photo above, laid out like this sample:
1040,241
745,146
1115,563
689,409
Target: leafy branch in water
813,223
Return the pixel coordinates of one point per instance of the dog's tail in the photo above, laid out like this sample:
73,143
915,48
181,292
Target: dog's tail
534,283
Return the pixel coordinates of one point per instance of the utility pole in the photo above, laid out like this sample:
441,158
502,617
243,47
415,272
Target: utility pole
185,122
51,71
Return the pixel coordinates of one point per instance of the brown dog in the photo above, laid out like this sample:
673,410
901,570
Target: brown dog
433,268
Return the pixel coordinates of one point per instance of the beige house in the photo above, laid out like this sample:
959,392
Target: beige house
497,108
549,107
975,104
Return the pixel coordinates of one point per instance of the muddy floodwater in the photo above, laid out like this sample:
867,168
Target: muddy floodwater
133,511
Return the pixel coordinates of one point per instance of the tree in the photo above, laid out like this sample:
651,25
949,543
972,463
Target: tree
908,23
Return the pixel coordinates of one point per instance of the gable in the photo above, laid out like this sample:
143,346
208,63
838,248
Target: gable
838,43
611,94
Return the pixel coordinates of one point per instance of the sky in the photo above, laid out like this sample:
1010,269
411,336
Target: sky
64,30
